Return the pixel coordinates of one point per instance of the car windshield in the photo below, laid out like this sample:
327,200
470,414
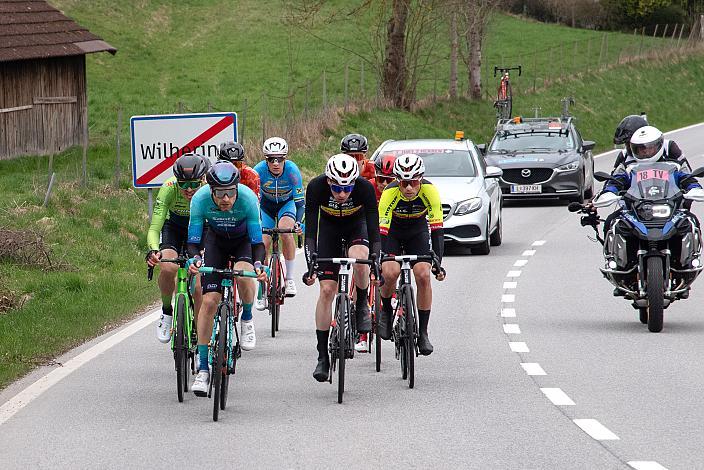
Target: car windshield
442,162
535,142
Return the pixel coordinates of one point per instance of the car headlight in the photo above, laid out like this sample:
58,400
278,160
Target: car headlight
468,206
571,166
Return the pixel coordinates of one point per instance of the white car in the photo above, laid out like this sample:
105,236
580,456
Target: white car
469,190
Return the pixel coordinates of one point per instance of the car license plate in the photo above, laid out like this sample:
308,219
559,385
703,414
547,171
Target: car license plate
526,188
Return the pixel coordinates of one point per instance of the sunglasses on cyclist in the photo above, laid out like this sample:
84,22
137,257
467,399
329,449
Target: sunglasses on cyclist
188,184
385,179
222,192
411,183
276,159
347,188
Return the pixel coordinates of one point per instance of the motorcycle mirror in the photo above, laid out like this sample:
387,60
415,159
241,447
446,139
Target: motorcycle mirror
606,199
601,176
699,172
696,194
574,207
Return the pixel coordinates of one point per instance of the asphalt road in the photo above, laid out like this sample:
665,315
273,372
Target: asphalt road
612,395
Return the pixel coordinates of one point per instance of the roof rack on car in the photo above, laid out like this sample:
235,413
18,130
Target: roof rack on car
522,125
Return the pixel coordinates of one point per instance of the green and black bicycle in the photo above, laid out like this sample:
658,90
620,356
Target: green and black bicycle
183,331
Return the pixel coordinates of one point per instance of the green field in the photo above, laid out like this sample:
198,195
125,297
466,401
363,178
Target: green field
98,233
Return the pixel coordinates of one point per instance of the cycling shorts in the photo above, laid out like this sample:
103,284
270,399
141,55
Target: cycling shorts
272,211
218,251
415,243
173,236
330,236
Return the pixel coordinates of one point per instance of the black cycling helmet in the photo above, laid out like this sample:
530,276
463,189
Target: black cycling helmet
627,127
222,173
354,143
231,151
190,167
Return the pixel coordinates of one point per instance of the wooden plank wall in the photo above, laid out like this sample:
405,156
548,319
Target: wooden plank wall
50,125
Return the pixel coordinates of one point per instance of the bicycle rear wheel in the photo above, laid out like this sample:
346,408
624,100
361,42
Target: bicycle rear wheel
343,314
220,362
273,294
377,338
180,355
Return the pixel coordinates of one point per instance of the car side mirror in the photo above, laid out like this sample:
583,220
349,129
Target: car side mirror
588,145
602,176
482,148
493,172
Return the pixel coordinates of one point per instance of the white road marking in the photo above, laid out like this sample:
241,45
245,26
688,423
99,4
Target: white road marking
520,262
26,396
557,396
512,329
508,312
533,368
596,430
510,285
539,243
518,346
508,298
514,274
528,253
646,465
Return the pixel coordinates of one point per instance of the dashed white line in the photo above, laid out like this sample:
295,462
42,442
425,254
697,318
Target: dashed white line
508,298
539,243
528,253
646,465
508,312
533,368
512,329
557,396
596,430
518,346
520,262
513,274
510,285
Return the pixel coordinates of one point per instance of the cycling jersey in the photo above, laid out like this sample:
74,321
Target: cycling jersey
367,170
250,178
170,205
403,218
281,195
322,210
241,222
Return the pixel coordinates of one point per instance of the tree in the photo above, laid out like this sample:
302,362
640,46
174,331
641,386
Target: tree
475,15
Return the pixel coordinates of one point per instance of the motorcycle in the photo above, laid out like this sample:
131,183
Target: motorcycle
652,246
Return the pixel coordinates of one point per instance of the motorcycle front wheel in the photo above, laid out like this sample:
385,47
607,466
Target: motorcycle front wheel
655,292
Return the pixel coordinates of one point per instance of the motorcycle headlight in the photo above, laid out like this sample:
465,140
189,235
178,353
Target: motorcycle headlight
571,166
468,206
661,211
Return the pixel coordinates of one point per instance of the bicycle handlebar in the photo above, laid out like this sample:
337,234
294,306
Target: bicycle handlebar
271,231
227,272
181,261
506,69
433,258
371,262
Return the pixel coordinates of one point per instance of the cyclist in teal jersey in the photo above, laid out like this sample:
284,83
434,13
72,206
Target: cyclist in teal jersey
169,229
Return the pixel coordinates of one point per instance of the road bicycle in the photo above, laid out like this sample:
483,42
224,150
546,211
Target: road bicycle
374,302
276,283
224,347
405,329
184,338
504,94
344,324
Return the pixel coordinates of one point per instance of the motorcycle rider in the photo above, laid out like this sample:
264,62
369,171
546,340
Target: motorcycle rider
625,130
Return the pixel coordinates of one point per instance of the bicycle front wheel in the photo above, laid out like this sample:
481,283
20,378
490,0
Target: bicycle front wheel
273,294
343,315
219,374
180,355
409,339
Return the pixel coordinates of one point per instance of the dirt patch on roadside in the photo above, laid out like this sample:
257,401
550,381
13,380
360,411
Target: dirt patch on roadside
10,300
27,247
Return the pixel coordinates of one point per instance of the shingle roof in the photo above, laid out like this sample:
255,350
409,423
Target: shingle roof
33,29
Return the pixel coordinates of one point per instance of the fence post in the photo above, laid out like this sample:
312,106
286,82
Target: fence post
606,50
680,36
655,33
325,92
664,33
85,152
361,81
210,107
601,50
117,149
642,38
48,190
674,32
305,108
589,54
701,27
574,58
243,123
435,89
535,68
347,84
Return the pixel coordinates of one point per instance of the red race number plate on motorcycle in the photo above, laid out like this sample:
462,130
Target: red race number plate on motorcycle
652,175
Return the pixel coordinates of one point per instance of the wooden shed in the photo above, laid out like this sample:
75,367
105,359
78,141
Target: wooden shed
43,103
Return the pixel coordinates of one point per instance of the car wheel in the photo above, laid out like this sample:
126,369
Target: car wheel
483,248
497,234
589,193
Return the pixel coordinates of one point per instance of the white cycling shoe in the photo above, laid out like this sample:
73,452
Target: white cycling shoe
290,288
260,304
248,337
201,383
361,346
163,328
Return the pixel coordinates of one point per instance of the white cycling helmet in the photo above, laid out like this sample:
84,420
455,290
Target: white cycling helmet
647,144
275,146
342,169
409,167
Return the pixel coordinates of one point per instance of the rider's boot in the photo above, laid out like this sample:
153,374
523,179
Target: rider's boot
322,369
386,320
424,346
364,318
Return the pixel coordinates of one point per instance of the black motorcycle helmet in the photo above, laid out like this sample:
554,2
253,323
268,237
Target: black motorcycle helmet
190,167
231,151
354,143
627,127
222,174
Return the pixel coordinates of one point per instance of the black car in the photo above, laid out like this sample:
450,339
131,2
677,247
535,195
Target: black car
541,158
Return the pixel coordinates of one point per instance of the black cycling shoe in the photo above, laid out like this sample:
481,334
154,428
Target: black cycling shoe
364,318
618,292
424,346
385,323
322,369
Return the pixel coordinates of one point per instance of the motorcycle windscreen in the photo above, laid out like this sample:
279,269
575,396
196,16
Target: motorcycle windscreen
653,182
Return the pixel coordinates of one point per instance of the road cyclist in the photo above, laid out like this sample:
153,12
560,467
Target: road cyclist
233,152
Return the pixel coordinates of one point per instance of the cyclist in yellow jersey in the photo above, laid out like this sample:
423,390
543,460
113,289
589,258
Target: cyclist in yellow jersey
410,217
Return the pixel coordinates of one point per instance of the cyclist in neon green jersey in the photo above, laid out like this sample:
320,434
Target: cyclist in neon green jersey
168,232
